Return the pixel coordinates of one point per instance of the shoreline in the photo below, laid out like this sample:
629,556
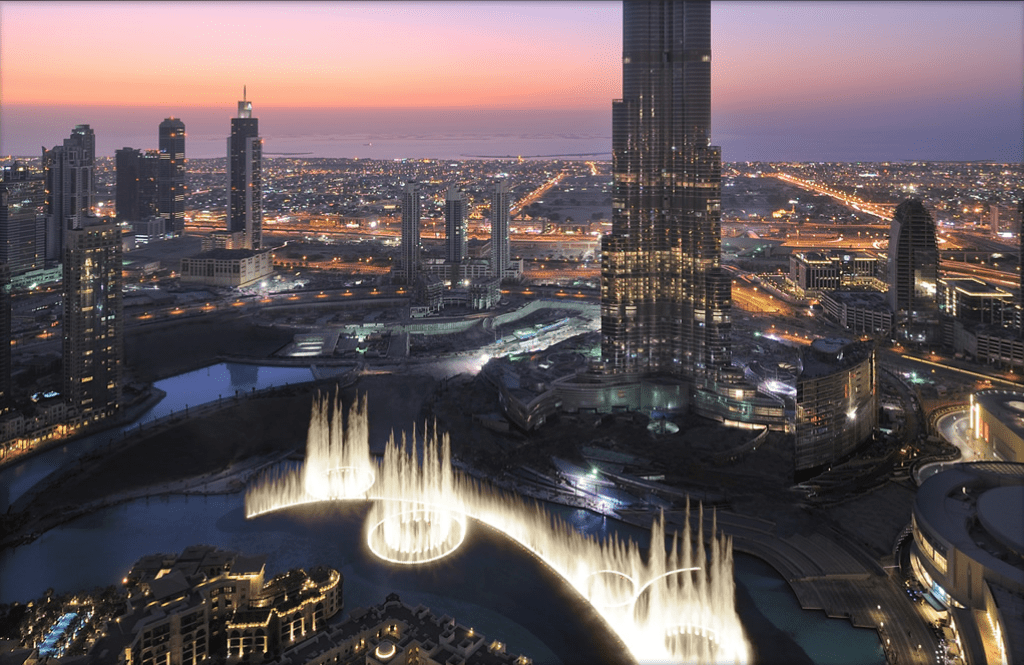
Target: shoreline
234,481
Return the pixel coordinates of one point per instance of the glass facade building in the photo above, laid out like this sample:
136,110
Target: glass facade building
665,301
913,273
93,319
172,175
245,177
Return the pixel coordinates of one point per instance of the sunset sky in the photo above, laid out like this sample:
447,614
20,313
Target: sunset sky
791,81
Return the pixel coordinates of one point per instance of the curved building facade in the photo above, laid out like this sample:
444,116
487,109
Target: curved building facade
997,418
968,550
836,402
913,272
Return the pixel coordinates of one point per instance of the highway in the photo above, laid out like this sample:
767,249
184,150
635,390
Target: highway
882,211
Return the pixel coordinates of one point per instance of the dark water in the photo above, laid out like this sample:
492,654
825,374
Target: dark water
190,389
490,583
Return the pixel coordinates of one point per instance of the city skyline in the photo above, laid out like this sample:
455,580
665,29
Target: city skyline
791,82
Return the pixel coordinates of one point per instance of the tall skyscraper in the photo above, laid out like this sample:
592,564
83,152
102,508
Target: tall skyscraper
500,248
456,219
93,321
137,184
70,186
913,272
665,301
245,176
172,175
5,338
22,219
412,205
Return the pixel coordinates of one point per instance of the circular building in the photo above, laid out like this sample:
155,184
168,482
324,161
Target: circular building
997,418
968,551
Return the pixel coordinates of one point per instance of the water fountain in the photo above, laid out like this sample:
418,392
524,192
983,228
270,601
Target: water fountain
672,606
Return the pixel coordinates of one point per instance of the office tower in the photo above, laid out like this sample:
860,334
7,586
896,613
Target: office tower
172,175
665,301
913,272
93,321
245,176
5,338
1020,262
137,193
410,252
22,219
70,187
456,219
500,251
126,183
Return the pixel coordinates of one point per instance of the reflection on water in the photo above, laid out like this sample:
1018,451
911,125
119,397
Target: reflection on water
193,388
476,584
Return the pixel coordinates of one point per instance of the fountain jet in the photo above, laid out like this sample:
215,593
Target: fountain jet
674,605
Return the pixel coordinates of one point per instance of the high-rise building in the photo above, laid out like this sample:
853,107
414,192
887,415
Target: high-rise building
22,219
500,247
913,272
412,205
665,301
456,219
5,338
172,175
93,321
137,194
70,187
245,176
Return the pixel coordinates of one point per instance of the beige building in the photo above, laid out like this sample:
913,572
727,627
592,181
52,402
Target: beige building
227,267
968,552
997,418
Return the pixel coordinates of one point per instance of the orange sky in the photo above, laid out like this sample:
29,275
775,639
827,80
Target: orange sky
314,55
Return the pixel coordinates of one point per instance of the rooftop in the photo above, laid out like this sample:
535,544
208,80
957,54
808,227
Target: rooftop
976,507
1007,406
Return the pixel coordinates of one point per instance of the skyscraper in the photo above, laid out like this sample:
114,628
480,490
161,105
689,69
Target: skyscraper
172,175
500,250
5,338
245,176
22,219
665,301
410,253
137,184
70,186
913,272
456,218
93,321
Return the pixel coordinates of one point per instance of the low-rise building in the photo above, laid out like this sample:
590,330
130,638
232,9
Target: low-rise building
968,552
814,272
997,418
227,267
862,312
212,605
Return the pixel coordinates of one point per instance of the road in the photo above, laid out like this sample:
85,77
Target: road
882,211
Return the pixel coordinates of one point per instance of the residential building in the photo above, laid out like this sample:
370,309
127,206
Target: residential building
22,219
501,252
70,187
456,217
93,319
409,261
